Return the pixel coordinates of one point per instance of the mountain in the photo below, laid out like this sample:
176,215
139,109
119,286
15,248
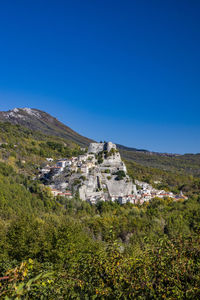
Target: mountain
41,121
38,120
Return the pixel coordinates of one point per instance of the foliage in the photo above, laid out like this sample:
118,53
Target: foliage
26,150
120,175
57,248
173,181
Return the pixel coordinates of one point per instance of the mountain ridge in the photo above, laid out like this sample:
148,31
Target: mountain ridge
38,120
126,148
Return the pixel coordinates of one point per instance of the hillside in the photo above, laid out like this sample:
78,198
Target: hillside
38,120
26,150
184,164
69,249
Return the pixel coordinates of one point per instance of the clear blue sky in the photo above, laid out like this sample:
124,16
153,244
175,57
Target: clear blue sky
125,71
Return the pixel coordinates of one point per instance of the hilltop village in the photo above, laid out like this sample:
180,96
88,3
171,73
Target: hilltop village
98,175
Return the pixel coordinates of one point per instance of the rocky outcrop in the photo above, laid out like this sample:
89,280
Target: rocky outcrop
103,181
98,147
95,147
99,174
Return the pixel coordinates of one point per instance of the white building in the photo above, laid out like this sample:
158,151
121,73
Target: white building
49,159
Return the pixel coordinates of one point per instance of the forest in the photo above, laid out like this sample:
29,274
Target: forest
59,248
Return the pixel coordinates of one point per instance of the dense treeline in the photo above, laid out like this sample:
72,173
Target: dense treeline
67,249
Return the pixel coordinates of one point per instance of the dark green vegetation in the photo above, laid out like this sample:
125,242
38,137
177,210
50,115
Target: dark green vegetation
66,249
120,175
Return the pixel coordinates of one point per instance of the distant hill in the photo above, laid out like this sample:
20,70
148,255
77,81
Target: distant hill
38,120
185,164
121,147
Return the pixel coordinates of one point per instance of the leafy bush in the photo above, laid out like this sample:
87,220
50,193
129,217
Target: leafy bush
120,175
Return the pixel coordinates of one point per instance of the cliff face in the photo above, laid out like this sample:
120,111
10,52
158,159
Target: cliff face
99,174
103,181
95,148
